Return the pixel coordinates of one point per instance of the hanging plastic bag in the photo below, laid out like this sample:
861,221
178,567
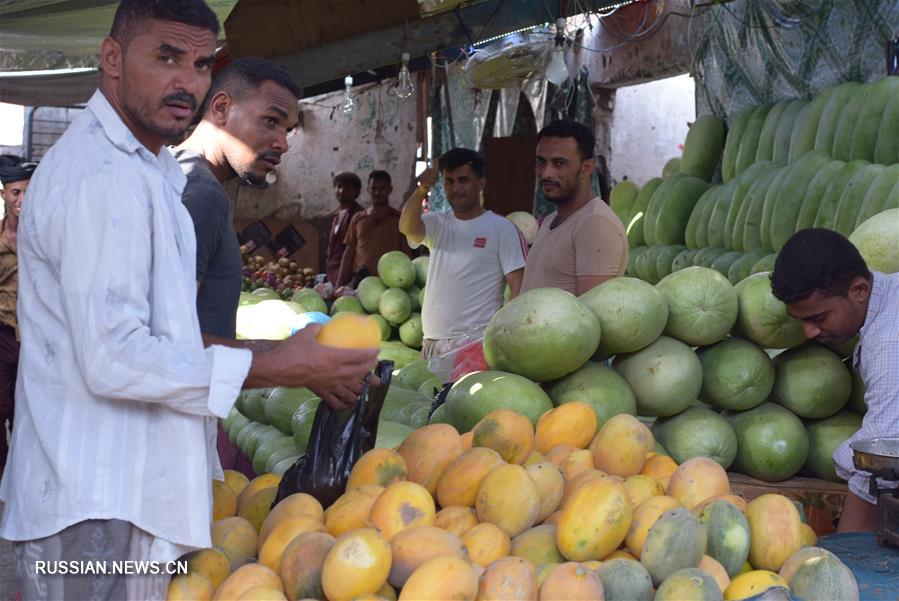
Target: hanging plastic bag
465,358
338,439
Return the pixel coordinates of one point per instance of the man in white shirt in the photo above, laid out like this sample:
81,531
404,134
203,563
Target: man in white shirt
474,254
114,446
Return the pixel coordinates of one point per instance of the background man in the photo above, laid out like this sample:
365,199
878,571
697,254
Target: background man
824,282
15,173
582,243
248,113
116,391
347,187
371,233
474,253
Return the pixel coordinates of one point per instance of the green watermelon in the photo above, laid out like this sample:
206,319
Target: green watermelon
772,443
736,374
825,436
697,432
665,377
631,314
475,395
601,387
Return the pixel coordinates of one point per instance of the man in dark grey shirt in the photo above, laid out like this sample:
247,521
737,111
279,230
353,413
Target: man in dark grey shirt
246,117
218,251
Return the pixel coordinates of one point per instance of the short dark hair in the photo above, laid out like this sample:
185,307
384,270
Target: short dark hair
815,260
566,128
379,174
131,15
459,157
245,75
348,179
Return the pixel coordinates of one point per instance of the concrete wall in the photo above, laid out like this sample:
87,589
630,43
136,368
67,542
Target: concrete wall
379,135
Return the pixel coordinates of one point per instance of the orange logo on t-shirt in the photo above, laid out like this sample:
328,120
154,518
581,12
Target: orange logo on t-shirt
480,242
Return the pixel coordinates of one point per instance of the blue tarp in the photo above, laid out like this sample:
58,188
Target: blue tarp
876,568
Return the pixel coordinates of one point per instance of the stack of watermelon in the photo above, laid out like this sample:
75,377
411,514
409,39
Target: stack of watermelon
832,162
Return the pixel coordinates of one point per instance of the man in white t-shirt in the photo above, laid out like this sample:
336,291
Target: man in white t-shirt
474,254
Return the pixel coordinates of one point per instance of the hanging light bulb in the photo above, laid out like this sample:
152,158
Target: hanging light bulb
349,105
404,87
557,70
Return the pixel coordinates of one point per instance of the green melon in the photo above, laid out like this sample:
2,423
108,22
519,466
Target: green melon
703,147
410,331
399,353
886,151
877,241
811,381
718,216
396,270
394,306
665,256
682,261
822,577
742,267
736,374
385,328
671,167
689,584
877,98
251,404
625,580
699,215
814,194
763,265
732,143
728,535
391,434
632,258
421,270
634,227
830,114
301,423
764,234
369,293
765,150
601,387
772,443
883,194
665,377
413,375
676,541
348,304
733,236
697,432
702,305
789,199
830,201
853,196
310,300
805,128
825,436
750,142
281,404
746,235
674,212
631,314
269,447
781,151
475,395
723,263
658,200
621,199
542,335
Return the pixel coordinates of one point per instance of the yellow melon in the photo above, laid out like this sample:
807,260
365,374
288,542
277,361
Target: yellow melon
459,483
236,481
570,424
262,593
572,581
737,501
550,487
357,564
486,543
621,446
543,571
258,483
508,498
775,530
508,578
714,569
640,487
441,578
428,451
414,546
579,461
696,480
211,563
273,548
751,584
296,504
456,519
245,578
256,506
350,511
507,432
224,501
645,515
534,457
658,466
619,554
537,545
377,466
402,505
559,453
593,564
190,587
576,482
465,440
236,537
599,501
302,563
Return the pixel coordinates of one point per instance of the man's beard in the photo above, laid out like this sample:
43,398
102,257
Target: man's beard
143,114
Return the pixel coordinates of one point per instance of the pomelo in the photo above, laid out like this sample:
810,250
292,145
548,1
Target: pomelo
413,375
697,432
310,300
877,241
702,305
736,374
631,313
369,292
542,335
666,376
825,436
266,294
410,331
350,304
394,305
764,319
396,270
421,270
475,395
385,328
601,387
772,443
811,381
414,298
399,353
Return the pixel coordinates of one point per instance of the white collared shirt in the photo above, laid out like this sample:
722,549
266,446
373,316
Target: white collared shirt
115,392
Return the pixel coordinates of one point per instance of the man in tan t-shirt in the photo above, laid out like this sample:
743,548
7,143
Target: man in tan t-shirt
583,243
371,233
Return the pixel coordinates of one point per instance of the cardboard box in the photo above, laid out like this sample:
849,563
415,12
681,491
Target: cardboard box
295,239
821,499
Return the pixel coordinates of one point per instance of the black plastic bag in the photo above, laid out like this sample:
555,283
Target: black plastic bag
336,441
